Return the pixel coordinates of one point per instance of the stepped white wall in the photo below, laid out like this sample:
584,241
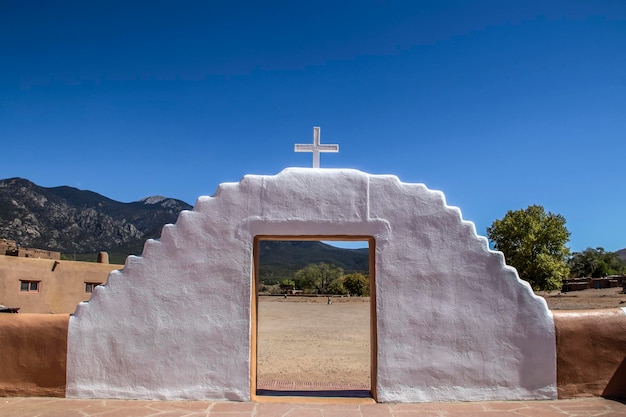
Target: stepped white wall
454,322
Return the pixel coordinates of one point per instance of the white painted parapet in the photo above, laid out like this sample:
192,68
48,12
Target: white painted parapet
453,321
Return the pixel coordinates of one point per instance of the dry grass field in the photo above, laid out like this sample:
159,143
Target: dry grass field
306,340
585,299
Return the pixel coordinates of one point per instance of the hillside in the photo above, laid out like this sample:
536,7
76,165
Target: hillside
69,220
281,259
621,253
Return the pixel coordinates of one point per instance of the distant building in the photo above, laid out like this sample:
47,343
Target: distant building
11,248
586,283
8,247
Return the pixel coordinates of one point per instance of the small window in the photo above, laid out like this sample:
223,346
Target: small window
89,286
29,286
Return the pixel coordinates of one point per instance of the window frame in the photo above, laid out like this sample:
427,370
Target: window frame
29,286
93,286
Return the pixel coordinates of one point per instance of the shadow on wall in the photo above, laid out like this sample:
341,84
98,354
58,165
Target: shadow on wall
616,388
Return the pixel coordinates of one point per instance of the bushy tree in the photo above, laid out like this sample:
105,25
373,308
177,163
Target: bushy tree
595,263
336,287
318,277
287,284
535,244
356,284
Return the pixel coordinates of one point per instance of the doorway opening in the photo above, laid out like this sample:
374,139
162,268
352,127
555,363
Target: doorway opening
313,317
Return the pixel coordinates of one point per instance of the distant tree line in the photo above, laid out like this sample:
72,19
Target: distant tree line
323,278
595,263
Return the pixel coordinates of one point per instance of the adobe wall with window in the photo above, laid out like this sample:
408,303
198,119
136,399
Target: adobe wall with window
48,286
452,321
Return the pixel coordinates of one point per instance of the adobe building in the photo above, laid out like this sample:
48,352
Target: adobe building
49,286
8,247
11,248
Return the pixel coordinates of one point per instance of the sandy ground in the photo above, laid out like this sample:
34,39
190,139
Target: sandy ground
307,340
585,299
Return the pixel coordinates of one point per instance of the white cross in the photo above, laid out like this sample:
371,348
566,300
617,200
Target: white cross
316,148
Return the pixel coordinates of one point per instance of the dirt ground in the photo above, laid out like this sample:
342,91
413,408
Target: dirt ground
585,299
306,340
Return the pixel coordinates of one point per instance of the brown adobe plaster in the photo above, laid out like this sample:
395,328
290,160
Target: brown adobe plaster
33,355
591,353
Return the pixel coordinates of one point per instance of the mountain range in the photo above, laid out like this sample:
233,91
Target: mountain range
69,220
81,223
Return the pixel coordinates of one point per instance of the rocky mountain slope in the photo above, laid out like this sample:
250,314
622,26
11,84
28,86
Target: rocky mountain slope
66,219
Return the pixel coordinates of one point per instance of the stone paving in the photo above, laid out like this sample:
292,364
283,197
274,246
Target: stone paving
62,407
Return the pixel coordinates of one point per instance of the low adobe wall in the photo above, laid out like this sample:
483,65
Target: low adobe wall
33,355
591,358
591,353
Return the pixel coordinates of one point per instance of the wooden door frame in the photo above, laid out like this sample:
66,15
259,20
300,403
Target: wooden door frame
254,303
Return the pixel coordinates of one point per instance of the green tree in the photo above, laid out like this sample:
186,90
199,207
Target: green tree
336,287
535,244
318,277
595,263
356,284
287,284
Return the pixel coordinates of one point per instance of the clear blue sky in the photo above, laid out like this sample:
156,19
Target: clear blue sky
499,104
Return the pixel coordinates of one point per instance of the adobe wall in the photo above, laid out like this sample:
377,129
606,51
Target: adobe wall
591,353
38,253
589,345
33,354
62,284
10,248
453,322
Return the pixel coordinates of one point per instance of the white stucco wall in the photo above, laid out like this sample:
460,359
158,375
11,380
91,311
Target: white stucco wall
454,322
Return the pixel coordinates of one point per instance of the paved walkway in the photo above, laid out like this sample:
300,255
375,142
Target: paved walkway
61,407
